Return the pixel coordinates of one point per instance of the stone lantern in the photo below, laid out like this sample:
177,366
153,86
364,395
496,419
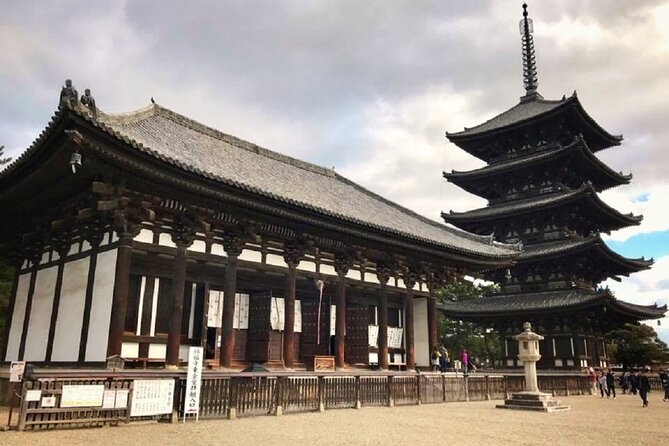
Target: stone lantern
531,398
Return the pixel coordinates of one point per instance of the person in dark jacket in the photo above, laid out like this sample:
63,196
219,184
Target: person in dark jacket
624,382
610,384
633,380
664,379
644,387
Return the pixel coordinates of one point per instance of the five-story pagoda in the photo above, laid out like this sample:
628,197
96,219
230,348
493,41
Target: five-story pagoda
541,181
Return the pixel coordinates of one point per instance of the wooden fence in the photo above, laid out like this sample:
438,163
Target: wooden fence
226,395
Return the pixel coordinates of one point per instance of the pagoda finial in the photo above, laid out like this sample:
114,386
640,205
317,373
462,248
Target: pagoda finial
529,62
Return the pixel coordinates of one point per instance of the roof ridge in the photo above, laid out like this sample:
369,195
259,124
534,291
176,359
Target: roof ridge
238,142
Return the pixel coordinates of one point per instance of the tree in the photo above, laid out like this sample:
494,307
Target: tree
3,160
480,342
636,345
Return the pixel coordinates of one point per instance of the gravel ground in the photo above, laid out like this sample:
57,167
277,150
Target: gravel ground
592,420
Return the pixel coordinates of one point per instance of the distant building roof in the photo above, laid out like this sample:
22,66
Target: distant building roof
545,302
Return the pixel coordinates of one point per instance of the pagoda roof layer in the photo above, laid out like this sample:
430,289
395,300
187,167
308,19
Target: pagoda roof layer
602,177
528,112
593,246
195,148
518,305
540,203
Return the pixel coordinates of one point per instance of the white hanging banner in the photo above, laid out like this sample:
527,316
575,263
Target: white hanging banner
278,310
215,310
193,382
373,335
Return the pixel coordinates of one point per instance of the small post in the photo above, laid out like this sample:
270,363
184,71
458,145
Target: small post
418,402
566,386
321,402
278,411
487,388
391,401
466,381
443,387
24,408
358,403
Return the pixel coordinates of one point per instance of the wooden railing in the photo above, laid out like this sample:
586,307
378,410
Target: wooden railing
227,395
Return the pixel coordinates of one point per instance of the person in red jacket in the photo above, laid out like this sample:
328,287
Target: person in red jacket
464,359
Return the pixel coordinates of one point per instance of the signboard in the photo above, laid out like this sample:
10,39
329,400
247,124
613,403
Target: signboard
193,381
373,335
278,308
82,395
215,310
16,370
121,401
241,319
48,401
152,397
333,320
108,399
33,395
395,337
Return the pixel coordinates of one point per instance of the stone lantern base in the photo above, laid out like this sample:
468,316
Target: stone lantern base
536,401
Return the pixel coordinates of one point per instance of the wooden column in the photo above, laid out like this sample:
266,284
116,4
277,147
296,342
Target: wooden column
432,314
121,289
291,255
409,282
383,274
15,261
233,246
342,264
61,243
176,312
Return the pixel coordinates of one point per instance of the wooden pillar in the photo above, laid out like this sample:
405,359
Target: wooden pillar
233,246
409,282
383,274
176,311
121,289
342,265
289,319
432,317
15,262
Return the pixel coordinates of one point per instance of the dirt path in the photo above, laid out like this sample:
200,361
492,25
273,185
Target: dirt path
592,420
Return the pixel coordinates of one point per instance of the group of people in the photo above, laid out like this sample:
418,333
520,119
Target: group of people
632,382
441,361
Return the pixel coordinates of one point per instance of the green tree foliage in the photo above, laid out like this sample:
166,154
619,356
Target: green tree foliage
481,343
6,277
636,345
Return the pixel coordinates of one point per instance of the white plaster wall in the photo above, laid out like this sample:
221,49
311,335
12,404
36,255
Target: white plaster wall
421,334
276,260
307,266
98,327
144,236
166,240
183,352
157,351
371,277
353,274
198,246
218,250
328,269
40,315
129,350
251,256
14,339
70,311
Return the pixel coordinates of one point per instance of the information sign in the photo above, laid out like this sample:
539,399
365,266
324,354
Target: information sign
193,381
82,395
152,397
16,370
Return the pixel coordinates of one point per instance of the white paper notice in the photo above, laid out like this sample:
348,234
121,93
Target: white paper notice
108,399
152,397
33,395
82,395
121,401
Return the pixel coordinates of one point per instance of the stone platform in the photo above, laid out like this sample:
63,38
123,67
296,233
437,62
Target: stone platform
535,401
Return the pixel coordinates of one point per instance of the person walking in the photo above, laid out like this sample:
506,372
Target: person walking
610,384
624,384
644,387
664,379
436,358
633,379
593,380
601,381
443,361
464,359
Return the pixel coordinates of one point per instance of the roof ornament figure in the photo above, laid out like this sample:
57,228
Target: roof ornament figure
529,61
88,101
68,95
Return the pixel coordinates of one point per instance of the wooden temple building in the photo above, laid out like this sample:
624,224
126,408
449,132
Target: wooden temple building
541,181
129,231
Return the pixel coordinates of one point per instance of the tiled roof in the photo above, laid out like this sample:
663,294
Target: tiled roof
517,207
204,151
518,113
578,147
562,300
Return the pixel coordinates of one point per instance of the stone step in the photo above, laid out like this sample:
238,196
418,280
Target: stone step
532,403
534,408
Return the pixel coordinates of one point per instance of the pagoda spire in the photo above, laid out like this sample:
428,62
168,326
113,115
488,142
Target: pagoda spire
529,61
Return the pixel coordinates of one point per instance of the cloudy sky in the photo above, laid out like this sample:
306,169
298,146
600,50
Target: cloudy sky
367,87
